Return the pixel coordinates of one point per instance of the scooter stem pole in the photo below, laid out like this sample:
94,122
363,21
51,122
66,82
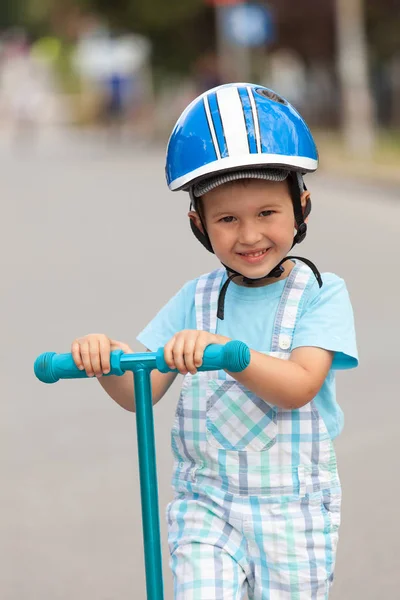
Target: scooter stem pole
148,484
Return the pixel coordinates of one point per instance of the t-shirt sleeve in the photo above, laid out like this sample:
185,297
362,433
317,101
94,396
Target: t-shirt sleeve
176,315
327,321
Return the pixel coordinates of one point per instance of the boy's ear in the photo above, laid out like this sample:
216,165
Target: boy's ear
306,204
194,217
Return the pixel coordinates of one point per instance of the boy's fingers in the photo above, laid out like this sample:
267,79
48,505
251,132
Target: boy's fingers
104,344
85,355
177,353
94,347
201,345
127,349
188,355
115,345
76,354
198,356
168,355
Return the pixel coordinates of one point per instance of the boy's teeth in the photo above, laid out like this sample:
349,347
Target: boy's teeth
254,253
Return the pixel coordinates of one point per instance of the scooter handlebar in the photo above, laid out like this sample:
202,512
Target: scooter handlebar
234,356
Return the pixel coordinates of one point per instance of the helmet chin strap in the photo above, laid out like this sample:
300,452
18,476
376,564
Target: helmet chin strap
276,272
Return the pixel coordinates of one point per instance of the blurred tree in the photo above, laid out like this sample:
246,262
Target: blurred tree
383,27
383,30
149,15
9,14
357,111
186,28
179,31
306,27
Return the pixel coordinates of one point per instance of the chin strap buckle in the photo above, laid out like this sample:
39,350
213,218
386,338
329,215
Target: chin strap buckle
277,272
301,234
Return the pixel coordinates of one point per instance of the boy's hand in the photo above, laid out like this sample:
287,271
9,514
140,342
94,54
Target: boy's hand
185,350
92,353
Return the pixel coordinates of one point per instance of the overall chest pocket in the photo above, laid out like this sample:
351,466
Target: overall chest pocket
237,419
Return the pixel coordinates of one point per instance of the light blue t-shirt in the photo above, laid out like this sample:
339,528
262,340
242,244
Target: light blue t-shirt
325,321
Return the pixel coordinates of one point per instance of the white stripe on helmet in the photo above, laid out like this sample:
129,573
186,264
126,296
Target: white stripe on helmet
211,126
255,118
233,122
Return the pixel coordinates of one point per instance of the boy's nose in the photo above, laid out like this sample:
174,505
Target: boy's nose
249,235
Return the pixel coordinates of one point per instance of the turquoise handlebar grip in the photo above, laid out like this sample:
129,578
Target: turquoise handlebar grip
49,367
234,356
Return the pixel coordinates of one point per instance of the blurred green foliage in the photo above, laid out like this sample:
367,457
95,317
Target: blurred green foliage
10,14
383,28
150,16
180,30
146,16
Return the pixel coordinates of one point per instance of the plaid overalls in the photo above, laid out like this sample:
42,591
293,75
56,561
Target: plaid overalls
257,493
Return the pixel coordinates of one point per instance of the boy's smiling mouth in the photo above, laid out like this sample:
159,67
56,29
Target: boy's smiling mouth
254,255
254,252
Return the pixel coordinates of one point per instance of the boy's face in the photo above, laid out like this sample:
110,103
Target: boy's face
250,224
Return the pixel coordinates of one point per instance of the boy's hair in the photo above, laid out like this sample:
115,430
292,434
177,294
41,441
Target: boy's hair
206,185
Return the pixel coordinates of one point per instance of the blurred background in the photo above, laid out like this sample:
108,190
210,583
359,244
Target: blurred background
132,65
92,241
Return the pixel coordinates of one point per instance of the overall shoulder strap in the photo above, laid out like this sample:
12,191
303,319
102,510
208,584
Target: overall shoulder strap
206,300
288,309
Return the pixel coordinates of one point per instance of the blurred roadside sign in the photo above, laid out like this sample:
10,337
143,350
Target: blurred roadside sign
248,24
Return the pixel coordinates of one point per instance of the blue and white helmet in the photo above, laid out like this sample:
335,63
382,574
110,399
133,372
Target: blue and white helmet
234,127
235,131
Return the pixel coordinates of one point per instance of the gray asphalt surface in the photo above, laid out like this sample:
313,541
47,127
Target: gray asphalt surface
92,241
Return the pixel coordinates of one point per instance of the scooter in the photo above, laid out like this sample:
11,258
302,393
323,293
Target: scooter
50,367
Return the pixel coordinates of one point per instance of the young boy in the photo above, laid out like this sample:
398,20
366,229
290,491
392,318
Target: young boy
257,494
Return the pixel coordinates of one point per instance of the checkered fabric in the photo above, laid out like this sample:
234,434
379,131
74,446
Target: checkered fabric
257,493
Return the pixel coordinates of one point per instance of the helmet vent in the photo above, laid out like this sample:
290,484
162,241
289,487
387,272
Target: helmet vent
271,95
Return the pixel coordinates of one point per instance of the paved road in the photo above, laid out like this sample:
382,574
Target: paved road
92,241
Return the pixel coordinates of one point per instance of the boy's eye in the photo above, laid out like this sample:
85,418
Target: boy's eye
264,213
